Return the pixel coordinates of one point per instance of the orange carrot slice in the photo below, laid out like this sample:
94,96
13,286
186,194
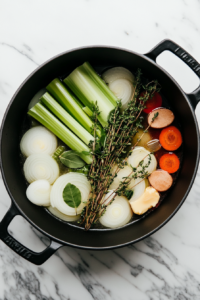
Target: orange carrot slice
169,162
170,138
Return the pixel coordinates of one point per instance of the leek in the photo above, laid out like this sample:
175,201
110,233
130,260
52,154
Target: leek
66,118
69,102
91,89
41,114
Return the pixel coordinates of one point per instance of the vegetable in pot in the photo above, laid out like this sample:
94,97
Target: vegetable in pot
170,138
38,192
169,162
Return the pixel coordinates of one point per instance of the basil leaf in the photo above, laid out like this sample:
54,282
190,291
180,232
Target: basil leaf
72,195
71,159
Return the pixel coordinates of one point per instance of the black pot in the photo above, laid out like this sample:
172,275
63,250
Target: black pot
60,233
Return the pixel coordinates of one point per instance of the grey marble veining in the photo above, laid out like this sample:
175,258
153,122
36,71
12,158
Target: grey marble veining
163,266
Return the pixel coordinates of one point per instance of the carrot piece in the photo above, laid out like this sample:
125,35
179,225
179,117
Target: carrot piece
169,162
170,138
152,103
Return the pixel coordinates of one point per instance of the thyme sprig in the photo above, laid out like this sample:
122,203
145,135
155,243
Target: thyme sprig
112,149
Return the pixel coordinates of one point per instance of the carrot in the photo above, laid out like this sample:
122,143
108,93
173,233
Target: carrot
170,138
169,162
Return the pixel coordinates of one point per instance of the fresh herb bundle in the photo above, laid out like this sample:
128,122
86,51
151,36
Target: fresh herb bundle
112,149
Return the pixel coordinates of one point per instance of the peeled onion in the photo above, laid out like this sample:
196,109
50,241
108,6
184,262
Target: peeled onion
41,166
117,73
62,216
126,171
38,192
138,189
118,213
38,140
56,196
137,155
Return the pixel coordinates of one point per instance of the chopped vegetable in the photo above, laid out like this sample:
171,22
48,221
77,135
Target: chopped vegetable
118,213
153,145
66,118
149,199
169,162
152,103
141,141
138,188
58,152
69,102
165,118
88,111
116,73
38,192
122,173
62,216
41,166
161,180
140,154
41,114
124,90
170,138
38,140
56,196
91,89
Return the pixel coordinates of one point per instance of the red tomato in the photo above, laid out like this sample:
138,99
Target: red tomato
152,103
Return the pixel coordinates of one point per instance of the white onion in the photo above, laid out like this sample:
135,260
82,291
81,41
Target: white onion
126,171
56,196
118,213
41,166
123,90
139,189
137,155
38,140
62,216
117,73
38,192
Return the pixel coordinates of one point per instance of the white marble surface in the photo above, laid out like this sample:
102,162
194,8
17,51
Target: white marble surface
165,265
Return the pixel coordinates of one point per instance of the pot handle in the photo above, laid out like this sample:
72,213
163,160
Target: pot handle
31,256
185,57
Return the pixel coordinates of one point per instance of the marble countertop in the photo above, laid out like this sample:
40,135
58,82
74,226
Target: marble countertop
163,266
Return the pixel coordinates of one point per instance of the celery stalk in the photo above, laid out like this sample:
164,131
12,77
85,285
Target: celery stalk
41,114
69,102
66,118
87,110
90,89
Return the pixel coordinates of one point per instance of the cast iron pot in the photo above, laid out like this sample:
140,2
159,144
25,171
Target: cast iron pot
60,233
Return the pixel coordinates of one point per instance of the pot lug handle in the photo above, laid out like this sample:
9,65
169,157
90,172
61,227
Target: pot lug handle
194,97
31,256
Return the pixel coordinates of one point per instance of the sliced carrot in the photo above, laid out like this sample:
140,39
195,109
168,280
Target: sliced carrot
152,103
169,162
170,138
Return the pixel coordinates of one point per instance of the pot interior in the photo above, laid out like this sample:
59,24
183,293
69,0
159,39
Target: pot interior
101,58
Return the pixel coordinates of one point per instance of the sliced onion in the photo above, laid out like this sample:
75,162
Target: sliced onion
138,189
137,155
38,140
117,73
61,216
126,171
118,213
56,196
123,89
41,166
38,192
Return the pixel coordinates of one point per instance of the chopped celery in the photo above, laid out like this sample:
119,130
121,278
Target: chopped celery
91,89
69,102
46,118
66,118
88,111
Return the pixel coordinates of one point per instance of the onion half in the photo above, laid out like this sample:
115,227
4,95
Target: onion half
54,211
38,192
126,171
118,213
138,190
56,196
140,153
41,166
117,73
38,140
